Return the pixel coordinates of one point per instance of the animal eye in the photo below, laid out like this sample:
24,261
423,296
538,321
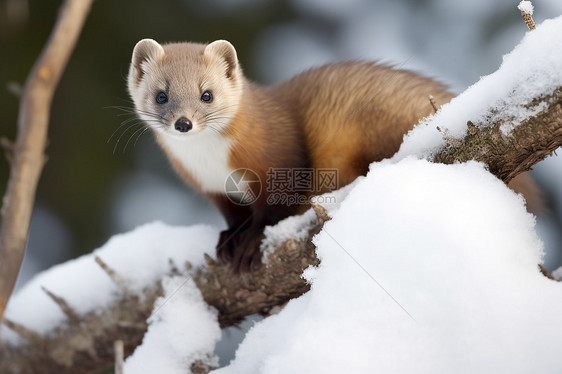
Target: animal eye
161,98
207,97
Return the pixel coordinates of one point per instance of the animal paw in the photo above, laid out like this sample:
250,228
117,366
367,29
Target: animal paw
247,255
228,241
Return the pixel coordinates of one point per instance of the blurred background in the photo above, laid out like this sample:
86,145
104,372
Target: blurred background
102,179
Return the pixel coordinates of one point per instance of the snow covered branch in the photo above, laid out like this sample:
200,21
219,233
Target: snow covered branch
88,344
509,120
82,346
27,157
510,154
258,292
527,8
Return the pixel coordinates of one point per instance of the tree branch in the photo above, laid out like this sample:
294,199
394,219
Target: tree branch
28,156
258,292
89,345
83,347
507,156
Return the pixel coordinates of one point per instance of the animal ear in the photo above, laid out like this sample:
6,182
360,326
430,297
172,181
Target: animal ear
226,54
146,50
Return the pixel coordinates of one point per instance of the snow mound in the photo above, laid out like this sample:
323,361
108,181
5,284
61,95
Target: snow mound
182,331
425,268
298,227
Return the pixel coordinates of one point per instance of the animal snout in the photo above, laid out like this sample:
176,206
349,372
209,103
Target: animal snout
183,125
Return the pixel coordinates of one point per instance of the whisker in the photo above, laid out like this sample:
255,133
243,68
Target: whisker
118,128
217,118
123,133
128,100
212,127
128,121
154,119
131,137
218,111
138,137
130,110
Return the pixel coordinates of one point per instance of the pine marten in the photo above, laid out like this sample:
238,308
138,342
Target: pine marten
215,125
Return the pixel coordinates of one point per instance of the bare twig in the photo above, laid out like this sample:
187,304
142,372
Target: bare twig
433,103
119,348
63,305
116,278
209,261
25,333
526,8
546,273
28,157
321,213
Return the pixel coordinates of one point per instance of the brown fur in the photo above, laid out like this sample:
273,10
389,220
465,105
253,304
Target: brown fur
341,116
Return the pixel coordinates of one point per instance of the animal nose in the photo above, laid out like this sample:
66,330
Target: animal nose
183,125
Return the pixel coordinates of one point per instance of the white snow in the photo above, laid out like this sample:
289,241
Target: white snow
425,268
182,330
533,68
297,227
526,7
142,257
291,227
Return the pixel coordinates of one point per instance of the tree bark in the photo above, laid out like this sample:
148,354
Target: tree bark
507,156
82,347
28,155
236,297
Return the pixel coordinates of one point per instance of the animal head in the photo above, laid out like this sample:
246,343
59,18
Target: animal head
182,89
